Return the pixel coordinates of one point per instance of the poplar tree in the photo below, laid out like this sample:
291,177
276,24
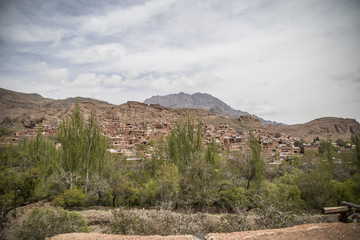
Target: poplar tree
183,143
83,147
249,164
326,150
41,152
256,161
210,156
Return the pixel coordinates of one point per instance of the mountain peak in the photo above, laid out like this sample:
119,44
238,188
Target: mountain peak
202,101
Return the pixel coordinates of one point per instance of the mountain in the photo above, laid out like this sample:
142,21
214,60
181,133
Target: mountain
26,106
202,101
327,127
21,110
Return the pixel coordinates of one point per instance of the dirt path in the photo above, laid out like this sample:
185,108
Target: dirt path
99,236
318,231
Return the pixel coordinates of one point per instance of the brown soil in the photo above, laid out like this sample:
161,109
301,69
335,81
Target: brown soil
319,231
99,236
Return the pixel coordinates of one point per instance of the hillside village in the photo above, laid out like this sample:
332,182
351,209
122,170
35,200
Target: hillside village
127,137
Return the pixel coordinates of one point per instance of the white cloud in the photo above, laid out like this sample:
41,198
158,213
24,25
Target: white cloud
94,54
121,19
113,81
41,71
18,27
84,80
275,57
30,34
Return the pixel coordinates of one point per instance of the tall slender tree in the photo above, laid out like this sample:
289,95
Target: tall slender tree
183,143
83,147
256,160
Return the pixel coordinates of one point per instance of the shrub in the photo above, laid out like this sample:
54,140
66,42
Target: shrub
316,188
43,223
235,222
343,190
271,217
127,223
162,222
283,193
233,198
70,198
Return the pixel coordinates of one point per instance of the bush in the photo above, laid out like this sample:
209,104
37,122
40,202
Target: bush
70,198
43,223
127,223
316,188
283,196
344,191
162,222
235,222
271,217
233,198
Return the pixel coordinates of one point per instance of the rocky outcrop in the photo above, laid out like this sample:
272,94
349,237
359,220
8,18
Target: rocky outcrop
134,104
250,121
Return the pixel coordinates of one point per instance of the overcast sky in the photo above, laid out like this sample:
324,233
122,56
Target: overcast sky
287,61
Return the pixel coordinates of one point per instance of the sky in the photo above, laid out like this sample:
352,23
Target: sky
289,61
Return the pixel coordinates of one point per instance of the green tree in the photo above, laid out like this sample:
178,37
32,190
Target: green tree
168,182
42,153
95,150
83,148
340,142
326,150
200,183
249,164
316,187
183,143
297,143
355,139
233,198
210,156
256,160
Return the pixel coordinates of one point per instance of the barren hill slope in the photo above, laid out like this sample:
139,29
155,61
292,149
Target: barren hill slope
328,127
26,110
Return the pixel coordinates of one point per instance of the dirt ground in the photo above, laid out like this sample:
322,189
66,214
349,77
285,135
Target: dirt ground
318,231
99,236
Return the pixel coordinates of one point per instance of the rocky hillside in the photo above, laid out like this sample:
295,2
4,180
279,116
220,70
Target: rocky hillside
328,127
19,107
202,101
27,110
196,100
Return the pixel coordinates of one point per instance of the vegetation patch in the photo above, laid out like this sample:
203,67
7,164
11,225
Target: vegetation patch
43,223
